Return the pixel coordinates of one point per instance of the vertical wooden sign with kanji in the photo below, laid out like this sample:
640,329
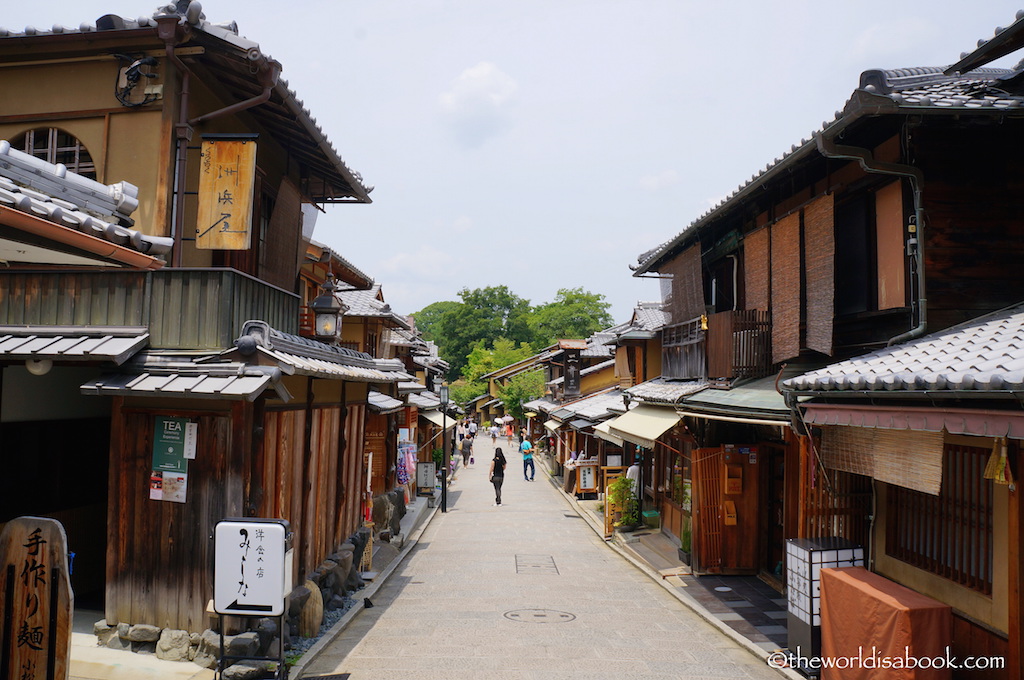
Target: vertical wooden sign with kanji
227,177
35,591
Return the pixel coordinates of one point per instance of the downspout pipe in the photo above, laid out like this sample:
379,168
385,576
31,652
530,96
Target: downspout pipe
829,149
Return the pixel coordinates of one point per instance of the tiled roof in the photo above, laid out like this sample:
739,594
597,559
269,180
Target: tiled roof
597,406
982,355
982,92
662,391
368,303
291,118
382,403
50,192
71,343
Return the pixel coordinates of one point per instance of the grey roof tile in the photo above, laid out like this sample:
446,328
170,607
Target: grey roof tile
948,360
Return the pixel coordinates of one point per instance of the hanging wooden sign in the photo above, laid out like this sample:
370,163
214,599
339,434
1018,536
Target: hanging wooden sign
227,177
36,597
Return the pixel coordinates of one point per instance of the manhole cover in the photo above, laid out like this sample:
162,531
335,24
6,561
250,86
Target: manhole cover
536,564
539,616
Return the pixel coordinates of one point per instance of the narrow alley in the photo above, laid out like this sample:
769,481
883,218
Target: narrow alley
525,590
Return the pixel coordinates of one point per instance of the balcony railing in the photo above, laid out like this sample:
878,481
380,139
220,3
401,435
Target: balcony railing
183,308
683,350
727,345
739,344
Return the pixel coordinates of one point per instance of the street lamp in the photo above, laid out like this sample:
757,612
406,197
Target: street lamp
444,447
327,311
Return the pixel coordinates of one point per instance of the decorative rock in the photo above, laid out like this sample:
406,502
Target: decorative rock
122,630
144,647
118,642
267,630
246,644
143,632
208,650
245,670
173,645
103,632
312,613
297,600
336,602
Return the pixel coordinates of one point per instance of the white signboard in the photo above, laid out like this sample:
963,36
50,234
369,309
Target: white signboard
426,474
252,566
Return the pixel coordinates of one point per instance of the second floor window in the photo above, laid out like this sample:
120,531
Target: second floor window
54,145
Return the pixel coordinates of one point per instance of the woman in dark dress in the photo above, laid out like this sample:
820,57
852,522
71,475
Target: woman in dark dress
497,474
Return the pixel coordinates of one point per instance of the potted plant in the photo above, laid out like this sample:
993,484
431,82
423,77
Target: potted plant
684,542
622,496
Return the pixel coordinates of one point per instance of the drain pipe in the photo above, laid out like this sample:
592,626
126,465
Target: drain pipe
829,149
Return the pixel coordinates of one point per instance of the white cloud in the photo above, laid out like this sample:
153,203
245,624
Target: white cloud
663,180
477,103
461,225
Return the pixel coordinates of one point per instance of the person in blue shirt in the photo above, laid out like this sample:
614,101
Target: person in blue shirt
527,450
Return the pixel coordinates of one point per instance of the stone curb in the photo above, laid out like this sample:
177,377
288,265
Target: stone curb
369,590
680,595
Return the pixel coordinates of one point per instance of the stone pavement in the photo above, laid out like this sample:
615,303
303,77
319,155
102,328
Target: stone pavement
526,590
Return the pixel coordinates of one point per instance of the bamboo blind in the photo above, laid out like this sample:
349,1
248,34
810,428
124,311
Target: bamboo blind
820,248
756,267
902,457
687,300
785,288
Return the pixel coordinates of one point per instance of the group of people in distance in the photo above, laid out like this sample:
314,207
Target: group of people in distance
496,474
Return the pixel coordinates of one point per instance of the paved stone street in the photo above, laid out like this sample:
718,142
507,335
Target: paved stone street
525,590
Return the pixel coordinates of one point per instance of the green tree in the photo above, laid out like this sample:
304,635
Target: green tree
504,352
574,313
428,317
485,314
520,389
463,391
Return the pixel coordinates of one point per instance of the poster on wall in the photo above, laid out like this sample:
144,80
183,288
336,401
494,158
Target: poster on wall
174,444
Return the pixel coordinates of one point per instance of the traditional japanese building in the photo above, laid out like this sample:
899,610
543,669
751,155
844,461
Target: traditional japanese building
153,231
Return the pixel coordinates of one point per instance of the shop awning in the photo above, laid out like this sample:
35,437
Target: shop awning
643,425
756,403
977,422
437,418
581,424
552,424
192,384
423,400
604,432
382,403
72,343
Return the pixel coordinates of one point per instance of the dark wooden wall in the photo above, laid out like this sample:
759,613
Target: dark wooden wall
974,220
159,553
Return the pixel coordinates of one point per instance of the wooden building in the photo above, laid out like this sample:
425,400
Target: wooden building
892,221
172,304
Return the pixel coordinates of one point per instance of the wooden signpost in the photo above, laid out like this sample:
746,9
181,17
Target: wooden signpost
35,591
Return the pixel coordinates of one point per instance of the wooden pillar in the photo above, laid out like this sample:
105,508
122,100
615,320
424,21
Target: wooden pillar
1015,573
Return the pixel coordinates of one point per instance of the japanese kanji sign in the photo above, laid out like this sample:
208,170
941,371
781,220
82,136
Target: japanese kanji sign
226,179
252,566
36,600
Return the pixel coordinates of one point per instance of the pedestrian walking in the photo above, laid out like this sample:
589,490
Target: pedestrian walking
527,450
497,474
472,428
494,434
467,450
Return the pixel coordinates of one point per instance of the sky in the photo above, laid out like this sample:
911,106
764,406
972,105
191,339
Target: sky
545,144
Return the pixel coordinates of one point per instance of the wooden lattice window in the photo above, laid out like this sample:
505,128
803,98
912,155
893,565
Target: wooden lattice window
54,145
950,534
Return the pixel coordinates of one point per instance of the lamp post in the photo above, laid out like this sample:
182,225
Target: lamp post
327,311
444,447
